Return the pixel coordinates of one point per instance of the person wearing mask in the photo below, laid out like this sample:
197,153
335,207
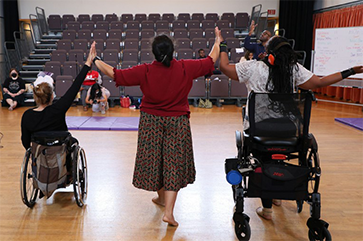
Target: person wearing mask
14,88
164,160
279,72
258,49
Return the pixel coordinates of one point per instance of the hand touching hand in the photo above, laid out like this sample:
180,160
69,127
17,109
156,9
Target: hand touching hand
218,35
92,54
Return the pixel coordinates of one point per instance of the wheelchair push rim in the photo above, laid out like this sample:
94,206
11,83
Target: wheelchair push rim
80,177
27,190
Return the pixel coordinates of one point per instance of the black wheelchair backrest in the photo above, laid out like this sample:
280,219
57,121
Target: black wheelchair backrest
51,138
279,115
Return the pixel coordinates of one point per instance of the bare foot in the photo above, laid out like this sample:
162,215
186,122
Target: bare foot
157,201
171,221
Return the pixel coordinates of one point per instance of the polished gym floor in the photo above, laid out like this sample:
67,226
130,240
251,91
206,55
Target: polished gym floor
116,210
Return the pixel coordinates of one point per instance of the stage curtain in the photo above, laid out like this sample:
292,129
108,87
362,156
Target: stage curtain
296,17
345,17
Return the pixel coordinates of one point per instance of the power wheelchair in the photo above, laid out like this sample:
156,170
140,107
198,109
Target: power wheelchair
277,159
54,160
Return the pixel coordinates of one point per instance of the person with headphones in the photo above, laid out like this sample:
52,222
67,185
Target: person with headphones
278,72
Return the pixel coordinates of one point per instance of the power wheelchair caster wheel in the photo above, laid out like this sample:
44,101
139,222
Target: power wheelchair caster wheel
242,226
299,205
318,230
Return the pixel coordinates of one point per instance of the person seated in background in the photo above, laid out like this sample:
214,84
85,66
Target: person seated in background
14,88
201,54
258,50
248,56
97,96
92,77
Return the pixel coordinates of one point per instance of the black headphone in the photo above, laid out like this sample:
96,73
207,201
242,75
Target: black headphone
272,55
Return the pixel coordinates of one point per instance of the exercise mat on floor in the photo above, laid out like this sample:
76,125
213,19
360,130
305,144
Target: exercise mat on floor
353,122
102,123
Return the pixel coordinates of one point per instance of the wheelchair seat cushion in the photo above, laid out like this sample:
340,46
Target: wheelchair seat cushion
272,141
279,128
51,138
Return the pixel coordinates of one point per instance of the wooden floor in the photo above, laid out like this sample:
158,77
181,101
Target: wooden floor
116,210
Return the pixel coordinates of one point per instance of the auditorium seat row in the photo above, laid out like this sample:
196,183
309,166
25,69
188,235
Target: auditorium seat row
87,34
143,34
58,23
215,87
144,25
133,43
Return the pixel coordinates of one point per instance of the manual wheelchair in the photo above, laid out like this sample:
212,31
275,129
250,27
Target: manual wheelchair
54,160
277,159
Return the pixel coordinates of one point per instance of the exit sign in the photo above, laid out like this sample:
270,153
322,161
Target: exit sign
271,11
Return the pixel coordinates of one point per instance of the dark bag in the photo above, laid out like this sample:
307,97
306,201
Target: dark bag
279,181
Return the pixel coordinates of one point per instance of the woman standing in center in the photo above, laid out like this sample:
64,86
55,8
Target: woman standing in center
164,160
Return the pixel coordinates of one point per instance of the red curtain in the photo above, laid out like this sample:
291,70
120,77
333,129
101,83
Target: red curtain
345,17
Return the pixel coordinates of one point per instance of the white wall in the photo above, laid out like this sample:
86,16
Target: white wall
319,4
76,7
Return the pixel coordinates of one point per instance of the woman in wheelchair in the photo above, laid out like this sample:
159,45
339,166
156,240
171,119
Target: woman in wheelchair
49,118
279,72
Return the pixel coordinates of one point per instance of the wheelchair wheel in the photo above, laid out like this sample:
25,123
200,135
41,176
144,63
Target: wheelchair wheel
314,235
80,182
28,191
242,229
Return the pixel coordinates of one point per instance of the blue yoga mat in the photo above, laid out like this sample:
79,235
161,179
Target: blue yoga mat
102,123
353,122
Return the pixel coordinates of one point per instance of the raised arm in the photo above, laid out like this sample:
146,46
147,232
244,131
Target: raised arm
247,42
214,53
227,68
105,68
67,99
317,82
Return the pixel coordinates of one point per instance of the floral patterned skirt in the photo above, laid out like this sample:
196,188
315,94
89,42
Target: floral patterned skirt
164,153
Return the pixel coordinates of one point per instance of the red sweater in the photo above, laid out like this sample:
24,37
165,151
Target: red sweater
165,90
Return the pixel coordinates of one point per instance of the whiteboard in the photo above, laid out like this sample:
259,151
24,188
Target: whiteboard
337,49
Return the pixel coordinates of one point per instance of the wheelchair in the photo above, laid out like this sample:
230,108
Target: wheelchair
277,159
65,164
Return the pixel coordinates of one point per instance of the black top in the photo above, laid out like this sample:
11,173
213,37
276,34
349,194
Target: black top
53,117
14,85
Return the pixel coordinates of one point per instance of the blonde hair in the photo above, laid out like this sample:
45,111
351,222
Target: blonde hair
43,94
